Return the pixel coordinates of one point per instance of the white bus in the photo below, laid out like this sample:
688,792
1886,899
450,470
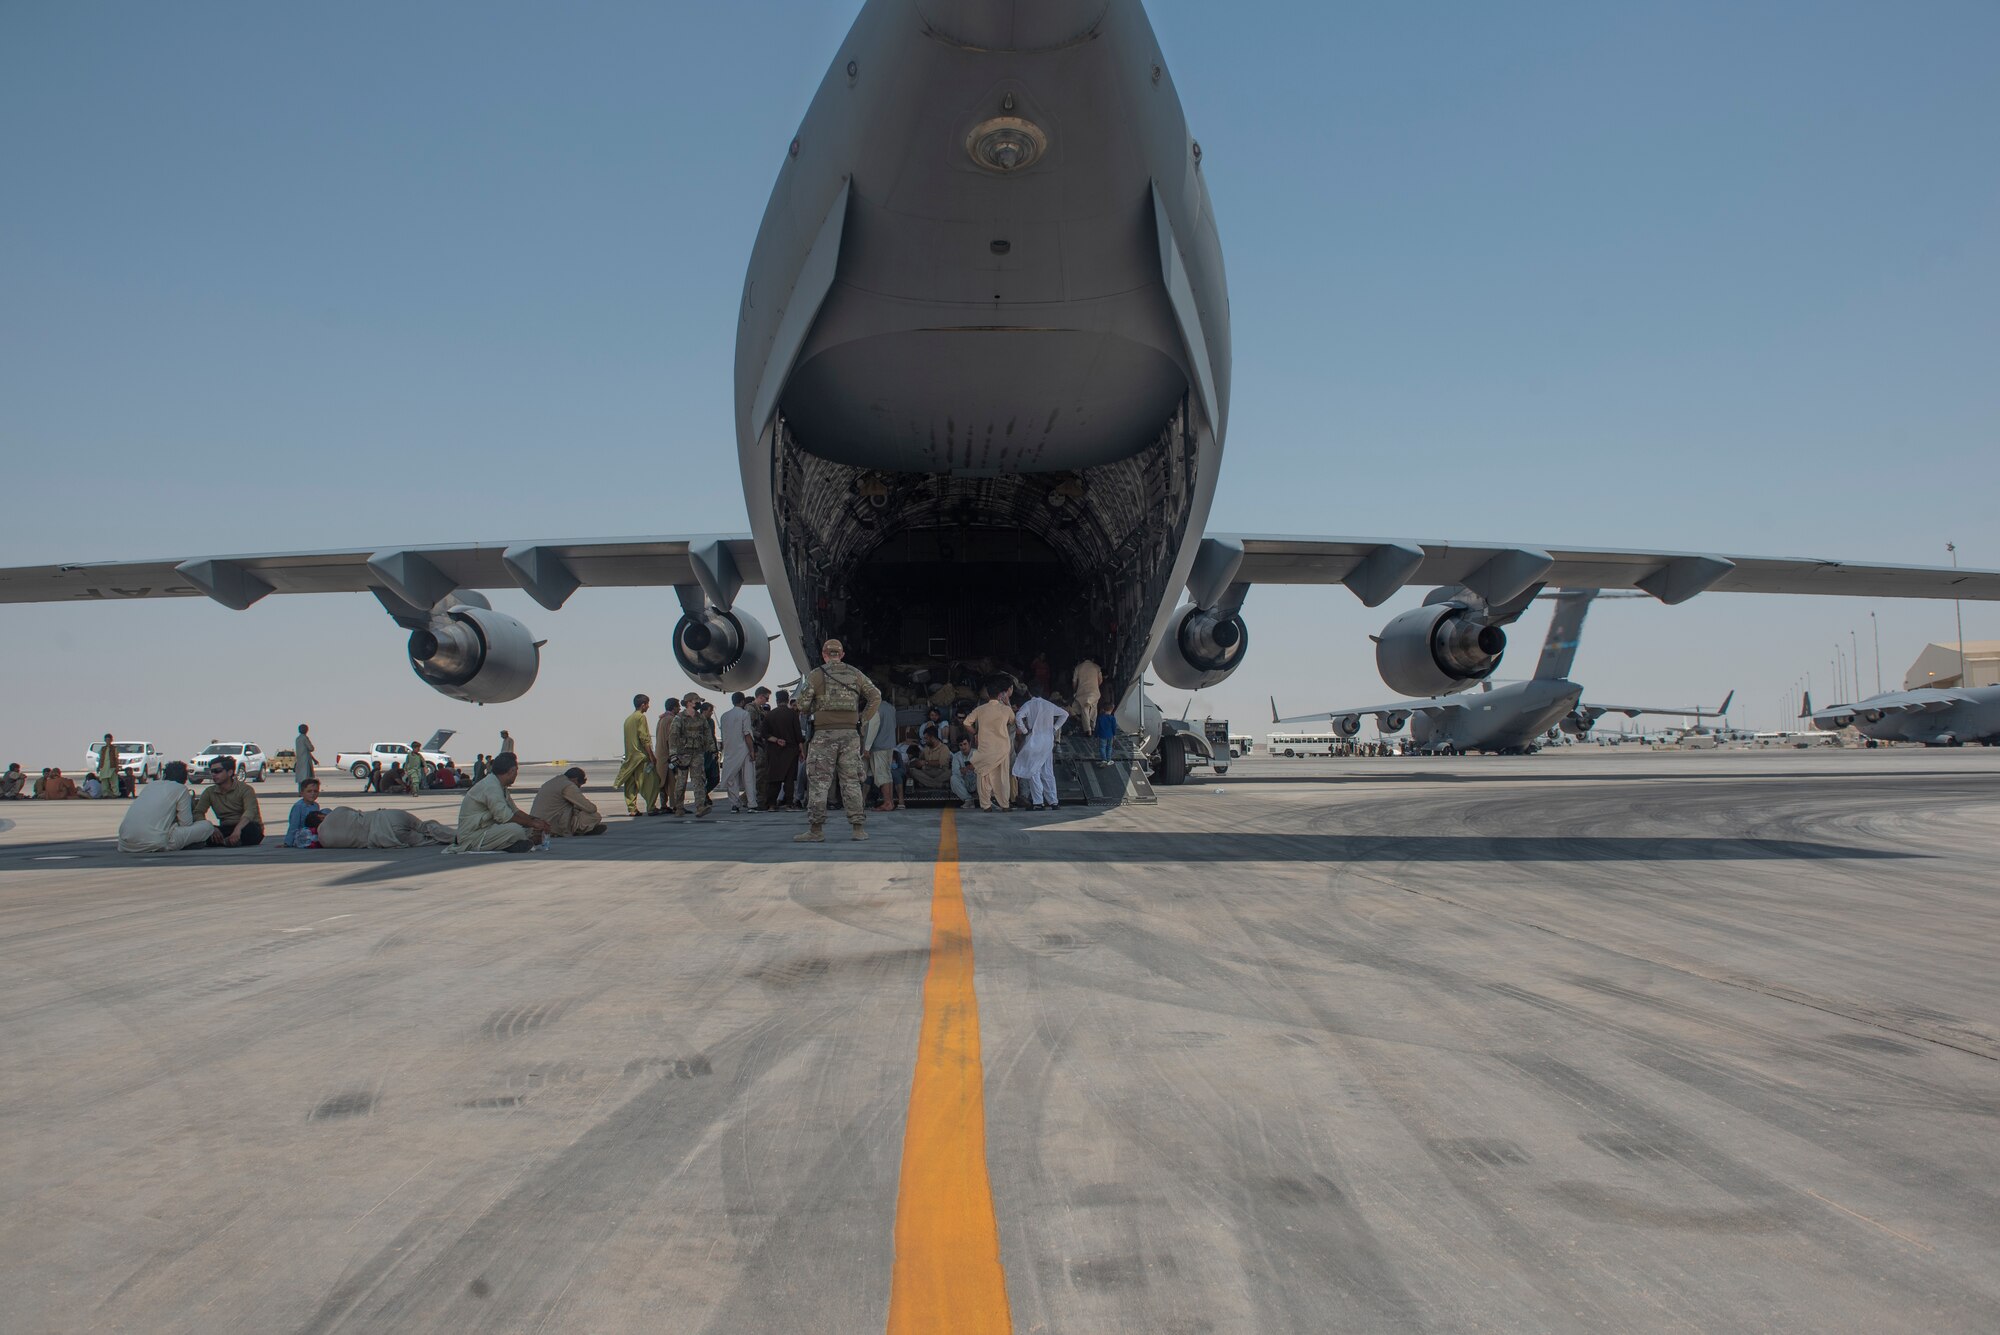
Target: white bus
1240,745
1302,743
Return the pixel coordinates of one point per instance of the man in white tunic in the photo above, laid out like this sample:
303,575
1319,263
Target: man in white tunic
488,820
739,748
1035,765
161,818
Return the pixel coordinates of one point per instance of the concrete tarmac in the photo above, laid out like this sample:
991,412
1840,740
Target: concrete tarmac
1590,1041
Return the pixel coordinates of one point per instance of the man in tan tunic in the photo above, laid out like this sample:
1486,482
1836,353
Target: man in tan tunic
386,827
562,804
994,726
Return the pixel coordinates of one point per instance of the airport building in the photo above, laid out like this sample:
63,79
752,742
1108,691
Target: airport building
1937,665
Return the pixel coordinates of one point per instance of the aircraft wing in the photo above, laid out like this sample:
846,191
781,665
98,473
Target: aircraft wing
1633,711
1440,704
419,575
1375,568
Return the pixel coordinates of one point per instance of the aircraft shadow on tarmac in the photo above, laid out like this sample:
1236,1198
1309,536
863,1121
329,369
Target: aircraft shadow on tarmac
1021,846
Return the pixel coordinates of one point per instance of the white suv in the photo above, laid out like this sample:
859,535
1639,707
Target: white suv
139,759
249,758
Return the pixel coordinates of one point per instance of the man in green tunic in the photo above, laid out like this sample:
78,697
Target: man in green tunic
108,767
413,768
838,699
639,776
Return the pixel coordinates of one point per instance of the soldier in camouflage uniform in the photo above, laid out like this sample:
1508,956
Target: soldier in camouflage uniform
689,741
838,699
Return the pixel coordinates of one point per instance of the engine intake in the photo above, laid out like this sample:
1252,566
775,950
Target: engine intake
1345,725
722,650
1202,648
475,654
1438,648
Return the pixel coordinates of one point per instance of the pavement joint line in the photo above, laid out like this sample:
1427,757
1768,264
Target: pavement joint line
947,1273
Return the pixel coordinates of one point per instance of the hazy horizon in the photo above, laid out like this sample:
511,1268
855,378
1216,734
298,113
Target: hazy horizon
1687,277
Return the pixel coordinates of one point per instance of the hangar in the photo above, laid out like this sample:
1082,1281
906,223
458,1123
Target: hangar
1937,665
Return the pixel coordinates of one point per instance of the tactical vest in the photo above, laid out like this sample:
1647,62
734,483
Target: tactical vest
836,687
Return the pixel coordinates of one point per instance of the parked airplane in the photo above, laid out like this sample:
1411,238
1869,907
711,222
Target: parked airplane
1933,715
982,386
1510,719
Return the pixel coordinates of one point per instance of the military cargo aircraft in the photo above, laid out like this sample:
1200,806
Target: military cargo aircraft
1504,720
982,387
1933,715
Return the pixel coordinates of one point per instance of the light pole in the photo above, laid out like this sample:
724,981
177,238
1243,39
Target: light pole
1952,547
1876,627
1854,659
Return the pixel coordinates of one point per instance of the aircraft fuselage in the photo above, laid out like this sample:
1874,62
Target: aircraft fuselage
982,363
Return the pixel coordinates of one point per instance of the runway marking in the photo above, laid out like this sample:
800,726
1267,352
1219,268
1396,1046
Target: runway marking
947,1274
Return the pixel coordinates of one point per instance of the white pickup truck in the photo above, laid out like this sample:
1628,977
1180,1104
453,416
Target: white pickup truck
393,754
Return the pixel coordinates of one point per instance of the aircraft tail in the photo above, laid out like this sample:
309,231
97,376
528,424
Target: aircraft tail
1805,705
1565,631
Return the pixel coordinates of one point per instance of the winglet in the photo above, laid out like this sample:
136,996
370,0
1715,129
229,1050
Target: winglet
1274,709
1722,710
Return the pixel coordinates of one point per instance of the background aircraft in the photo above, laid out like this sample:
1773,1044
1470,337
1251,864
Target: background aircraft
1935,716
983,375
1508,719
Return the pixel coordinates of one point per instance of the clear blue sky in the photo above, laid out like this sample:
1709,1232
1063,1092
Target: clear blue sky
1679,275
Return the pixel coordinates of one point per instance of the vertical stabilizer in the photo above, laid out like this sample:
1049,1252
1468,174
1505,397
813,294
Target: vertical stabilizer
1565,629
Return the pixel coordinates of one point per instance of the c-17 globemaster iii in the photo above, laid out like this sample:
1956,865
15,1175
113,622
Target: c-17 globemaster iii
1933,715
1505,720
982,386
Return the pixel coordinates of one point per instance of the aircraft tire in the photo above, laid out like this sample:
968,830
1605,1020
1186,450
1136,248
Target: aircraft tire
1172,767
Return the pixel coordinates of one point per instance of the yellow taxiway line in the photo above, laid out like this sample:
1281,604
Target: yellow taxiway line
947,1275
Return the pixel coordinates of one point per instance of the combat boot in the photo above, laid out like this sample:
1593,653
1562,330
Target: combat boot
813,836
860,832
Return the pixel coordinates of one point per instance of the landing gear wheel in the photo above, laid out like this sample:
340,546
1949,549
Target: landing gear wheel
1172,767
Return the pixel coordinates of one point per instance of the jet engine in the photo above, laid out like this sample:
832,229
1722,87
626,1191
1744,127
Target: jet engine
1202,648
1438,648
722,650
1577,723
475,654
1345,725
1391,722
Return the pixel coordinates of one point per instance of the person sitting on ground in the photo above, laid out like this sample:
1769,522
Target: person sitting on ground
562,804
931,771
964,785
161,819
239,820
488,820
344,827
295,821
92,787
12,783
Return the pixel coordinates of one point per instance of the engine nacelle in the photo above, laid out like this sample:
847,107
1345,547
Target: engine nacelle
1345,725
1438,648
475,654
1391,722
1201,649
724,651
1577,723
